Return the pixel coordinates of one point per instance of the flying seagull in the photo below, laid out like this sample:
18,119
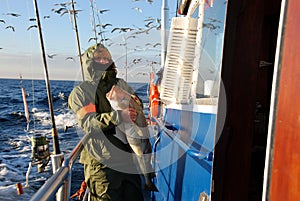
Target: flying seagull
51,56
70,58
64,4
103,11
32,26
92,39
125,29
10,27
103,25
156,44
138,9
135,61
60,10
13,14
2,21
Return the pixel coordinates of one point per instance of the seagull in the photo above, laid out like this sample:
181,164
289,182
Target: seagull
104,39
13,14
144,31
92,39
51,56
32,19
103,25
148,24
101,32
2,21
46,16
214,20
103,11
66,11
138,9
156,44
71,12
70,58
125,29
132,36
141,73
211,26
59,11
64,4
32,26
135,61
10,27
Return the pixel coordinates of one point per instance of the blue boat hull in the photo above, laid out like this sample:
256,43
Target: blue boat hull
183,156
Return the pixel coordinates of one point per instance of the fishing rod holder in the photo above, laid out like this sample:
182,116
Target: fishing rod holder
40,152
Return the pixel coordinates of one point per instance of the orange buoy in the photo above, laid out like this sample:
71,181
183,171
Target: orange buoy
19,188
154,101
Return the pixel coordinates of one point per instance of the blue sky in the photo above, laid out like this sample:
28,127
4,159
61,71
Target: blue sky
20,51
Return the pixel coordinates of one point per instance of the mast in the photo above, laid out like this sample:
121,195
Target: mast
56,149
77,37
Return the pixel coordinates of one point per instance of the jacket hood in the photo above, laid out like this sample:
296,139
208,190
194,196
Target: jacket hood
94,71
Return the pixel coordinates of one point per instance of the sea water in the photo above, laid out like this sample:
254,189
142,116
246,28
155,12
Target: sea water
15,134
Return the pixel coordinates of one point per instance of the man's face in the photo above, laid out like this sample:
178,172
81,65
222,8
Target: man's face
102,56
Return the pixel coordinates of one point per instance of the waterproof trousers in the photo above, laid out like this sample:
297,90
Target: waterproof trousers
106,184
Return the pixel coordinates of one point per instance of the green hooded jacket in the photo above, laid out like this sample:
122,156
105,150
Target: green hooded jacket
102,147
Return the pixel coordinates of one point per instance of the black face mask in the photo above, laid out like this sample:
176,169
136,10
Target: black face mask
100,67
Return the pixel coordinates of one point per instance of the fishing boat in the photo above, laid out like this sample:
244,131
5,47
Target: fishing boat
224,116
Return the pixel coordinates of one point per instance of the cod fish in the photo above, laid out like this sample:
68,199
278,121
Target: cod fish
136,133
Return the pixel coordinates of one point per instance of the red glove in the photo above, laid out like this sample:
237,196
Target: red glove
80,193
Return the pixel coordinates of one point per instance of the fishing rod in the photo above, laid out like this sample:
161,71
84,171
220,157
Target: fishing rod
57,157
26,111
94,22
77,37
56,149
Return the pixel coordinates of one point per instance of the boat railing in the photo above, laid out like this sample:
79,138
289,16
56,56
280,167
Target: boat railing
59,184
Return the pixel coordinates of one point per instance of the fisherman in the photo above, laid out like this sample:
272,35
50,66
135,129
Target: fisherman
109,169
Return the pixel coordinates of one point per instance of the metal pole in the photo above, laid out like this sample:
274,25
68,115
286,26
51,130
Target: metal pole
78,42
164,27
126,61
56,149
